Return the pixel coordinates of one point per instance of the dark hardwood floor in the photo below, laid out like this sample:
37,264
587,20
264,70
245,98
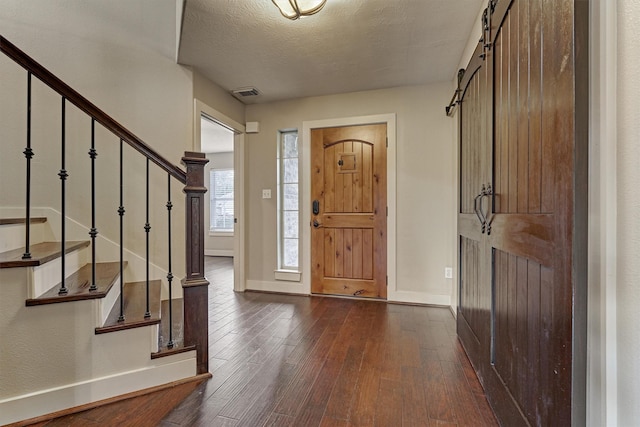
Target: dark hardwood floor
281,360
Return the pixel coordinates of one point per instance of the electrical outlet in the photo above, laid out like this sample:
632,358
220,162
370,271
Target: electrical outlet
266,193
448,273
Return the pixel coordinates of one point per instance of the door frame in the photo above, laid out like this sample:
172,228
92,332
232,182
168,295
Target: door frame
602,353
305,151
200,109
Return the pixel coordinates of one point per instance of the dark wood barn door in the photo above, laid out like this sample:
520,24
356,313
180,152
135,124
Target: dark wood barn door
522,213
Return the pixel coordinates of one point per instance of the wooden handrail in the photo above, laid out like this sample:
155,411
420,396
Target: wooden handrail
89,108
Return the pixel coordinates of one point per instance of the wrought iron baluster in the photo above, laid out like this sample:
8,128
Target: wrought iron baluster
147,228
63,179
28,154
93,232
169,274
121,213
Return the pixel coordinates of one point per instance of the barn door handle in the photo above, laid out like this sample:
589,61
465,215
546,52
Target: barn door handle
478,210
489,193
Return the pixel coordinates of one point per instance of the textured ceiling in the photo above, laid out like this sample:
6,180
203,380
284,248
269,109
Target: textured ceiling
351,45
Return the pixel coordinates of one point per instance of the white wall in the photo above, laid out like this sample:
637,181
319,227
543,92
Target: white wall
218,98
628,238
216,245
424,167
121,59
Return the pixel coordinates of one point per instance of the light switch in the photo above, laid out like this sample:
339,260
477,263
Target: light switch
266,193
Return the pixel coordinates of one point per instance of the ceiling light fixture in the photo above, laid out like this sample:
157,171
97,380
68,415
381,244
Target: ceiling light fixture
296,9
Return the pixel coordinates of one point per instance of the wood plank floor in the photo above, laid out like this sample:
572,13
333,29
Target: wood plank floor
280,360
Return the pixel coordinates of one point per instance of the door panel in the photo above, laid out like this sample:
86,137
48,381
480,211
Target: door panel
524,261
521,329
348,237
474,305
471,292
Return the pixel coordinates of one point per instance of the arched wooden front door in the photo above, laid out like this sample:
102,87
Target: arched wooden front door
349,203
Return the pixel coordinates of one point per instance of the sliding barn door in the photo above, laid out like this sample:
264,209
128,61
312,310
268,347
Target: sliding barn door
521,218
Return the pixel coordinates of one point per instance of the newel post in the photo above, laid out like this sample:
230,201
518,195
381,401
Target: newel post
195,285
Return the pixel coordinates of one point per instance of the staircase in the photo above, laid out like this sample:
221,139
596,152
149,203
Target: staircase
83,318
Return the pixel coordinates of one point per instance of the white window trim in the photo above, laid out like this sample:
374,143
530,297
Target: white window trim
284,272
219,233
288,275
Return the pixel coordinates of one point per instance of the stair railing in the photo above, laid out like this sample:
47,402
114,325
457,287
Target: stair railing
195,285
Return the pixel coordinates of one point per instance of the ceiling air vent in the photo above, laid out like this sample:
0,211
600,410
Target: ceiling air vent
245,92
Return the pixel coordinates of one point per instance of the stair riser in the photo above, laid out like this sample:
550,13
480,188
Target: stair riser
12,236
155,332
105,304
46,276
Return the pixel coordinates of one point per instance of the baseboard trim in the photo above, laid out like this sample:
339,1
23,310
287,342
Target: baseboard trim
400,297
95,392
109,401
420,298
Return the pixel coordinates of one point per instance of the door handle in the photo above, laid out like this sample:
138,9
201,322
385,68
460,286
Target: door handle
478,211
316,224
316,207
489,193
478,208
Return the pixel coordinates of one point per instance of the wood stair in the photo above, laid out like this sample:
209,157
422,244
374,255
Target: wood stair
35,220
107,274
78,285
134,308
41,253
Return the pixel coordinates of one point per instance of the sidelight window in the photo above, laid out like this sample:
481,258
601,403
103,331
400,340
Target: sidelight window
288,201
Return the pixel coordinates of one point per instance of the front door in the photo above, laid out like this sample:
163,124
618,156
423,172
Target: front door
349,211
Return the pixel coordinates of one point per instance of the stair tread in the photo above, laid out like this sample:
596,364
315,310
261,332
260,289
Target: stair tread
134,307
41,253
34,220
78,285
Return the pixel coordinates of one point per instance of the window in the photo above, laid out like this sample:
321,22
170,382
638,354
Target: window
221,190
288,202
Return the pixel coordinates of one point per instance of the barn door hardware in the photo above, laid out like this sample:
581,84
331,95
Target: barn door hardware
455,99
479,209
489,194
485,40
